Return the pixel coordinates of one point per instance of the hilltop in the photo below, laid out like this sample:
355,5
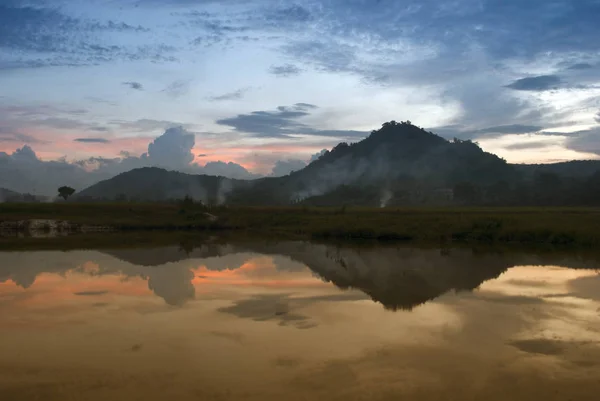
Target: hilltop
157,184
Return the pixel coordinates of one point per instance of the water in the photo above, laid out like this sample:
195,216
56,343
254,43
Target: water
298,321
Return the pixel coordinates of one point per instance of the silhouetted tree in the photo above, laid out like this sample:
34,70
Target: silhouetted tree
64,192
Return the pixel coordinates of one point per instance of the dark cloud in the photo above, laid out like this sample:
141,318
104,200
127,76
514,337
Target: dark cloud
238,94
147,124
91,140
505,29
282,123
557,133
537,84
60,123
528,145
597,118
41,34
100,129
457,131
328,55
36,29
306,106
279,123
9,135
587,141
90,293
510,129
335,133
581,66
293,13
285,70
134,85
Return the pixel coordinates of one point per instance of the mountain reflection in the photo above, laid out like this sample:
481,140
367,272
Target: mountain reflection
397,277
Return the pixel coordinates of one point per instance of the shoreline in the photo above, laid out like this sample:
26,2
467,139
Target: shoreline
542,226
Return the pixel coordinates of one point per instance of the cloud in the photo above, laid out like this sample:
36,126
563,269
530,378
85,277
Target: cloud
100,129
22,171
597,118
45,33
147,124
305,106
8,135
580,66
134,85
177,88
317,155
172,149
91,140
285,70
587,141
537,84
278,123
285,167
37,29
283,123
293,13
457,131
528,145
510,129
230,170
238,94
25,154
60,123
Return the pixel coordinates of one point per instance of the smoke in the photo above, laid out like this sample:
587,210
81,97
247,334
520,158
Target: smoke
225,187
386,197
345,170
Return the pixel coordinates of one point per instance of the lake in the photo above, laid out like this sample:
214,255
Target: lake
265,320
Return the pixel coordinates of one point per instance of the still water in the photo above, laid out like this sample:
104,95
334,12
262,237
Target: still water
298,321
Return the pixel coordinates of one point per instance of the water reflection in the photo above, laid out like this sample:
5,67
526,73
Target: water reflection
296,320
399,278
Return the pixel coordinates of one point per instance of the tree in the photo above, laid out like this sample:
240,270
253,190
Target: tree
64,192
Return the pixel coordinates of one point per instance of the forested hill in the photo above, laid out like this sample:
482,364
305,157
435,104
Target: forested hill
397,157
398,164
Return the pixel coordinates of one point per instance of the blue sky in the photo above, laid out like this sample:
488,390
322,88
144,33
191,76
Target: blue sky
262,83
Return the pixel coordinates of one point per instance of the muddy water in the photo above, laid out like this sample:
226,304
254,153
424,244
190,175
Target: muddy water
298,321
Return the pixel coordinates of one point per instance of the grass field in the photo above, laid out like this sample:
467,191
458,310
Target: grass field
557,226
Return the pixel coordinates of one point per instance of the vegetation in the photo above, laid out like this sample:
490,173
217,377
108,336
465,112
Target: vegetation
558,226
64,192
399,165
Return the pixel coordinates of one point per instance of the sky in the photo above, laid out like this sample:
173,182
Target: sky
258,87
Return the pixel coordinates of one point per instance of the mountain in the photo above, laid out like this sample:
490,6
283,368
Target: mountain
398,164
6,195
156,184
574,168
